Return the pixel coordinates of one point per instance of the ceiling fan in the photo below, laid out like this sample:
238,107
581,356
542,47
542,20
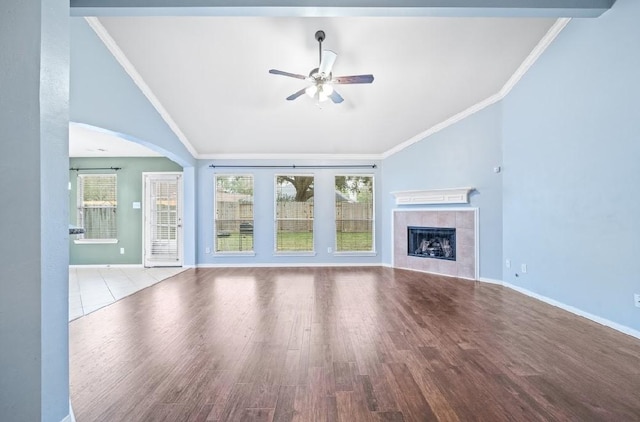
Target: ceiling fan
322,79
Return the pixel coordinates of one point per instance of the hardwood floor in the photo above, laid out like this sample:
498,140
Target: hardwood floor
345,344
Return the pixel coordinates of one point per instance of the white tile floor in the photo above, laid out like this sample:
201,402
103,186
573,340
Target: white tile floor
92,288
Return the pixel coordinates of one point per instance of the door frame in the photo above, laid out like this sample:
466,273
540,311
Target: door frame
145,229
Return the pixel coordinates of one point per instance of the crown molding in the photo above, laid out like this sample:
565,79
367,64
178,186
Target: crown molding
121,58
443,125
311,157
537,51
535,54
130,69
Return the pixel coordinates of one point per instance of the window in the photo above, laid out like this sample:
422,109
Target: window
354,213
294,213
233,213
97,204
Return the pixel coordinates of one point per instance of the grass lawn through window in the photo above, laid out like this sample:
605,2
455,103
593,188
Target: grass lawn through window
354,242
235,242
297,241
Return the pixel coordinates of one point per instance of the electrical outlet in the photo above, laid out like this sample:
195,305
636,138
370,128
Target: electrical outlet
329,249
523,268
636,299
507,263
121,251
207,250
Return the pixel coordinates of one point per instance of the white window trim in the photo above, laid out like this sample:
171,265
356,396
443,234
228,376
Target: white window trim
235,253
356,253
276,252
373,251
215,212
84,240
294,253
95,241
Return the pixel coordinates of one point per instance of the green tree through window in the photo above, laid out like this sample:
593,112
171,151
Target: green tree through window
294,213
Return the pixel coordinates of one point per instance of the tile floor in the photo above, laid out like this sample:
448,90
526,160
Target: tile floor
92,288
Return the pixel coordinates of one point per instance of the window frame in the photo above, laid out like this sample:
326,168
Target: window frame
312,251
215,250
80,219
371,252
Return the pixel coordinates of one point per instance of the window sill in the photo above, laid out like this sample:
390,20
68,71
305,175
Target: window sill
355,253
294,253
95,241
231,253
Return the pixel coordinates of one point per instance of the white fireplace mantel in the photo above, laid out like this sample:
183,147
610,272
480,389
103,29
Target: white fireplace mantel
433,196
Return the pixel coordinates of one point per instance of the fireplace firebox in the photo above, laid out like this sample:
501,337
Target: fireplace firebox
432,242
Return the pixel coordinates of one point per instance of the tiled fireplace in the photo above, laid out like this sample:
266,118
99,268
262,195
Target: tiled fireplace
436,241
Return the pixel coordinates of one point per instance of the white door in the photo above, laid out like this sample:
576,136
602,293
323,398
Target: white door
162,224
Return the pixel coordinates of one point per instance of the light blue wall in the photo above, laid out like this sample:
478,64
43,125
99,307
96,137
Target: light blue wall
102,95
572,166
34,86
462,155
264,185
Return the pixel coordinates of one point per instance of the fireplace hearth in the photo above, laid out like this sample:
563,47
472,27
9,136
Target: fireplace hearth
431,242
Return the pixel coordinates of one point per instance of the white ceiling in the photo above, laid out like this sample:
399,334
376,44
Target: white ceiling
88,142
211,75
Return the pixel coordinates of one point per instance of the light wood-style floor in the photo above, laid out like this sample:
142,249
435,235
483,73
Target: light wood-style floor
345,344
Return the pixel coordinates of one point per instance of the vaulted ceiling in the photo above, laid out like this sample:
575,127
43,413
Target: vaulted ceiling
210,75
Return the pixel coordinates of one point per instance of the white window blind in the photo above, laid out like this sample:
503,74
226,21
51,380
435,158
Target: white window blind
97,204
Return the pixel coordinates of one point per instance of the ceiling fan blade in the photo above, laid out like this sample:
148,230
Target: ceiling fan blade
296,95
354,79
326,64
335,97
291,75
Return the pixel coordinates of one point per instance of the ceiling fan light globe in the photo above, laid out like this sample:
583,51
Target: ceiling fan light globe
327,90
311,90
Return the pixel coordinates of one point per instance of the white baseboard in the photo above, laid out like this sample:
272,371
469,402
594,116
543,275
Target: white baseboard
107,266
491,281
603,321
285,265
70,417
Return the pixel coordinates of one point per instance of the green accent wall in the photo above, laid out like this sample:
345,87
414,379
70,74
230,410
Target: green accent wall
129,190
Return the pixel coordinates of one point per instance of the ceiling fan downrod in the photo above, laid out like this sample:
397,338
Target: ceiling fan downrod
320,37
